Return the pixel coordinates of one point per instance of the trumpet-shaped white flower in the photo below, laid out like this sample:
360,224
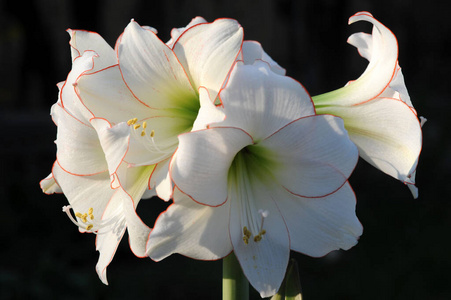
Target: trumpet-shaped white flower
271,177
118,116
376,108
155,89
87,171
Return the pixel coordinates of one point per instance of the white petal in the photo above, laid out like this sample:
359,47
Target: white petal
161,181
379,72
201,164
253,50
109,237
208,51
78,147
208,112
152,71
49,185
84,192
133,184
138,231
68,98
263,262
114,141
398,89
387,133
191,229
313,156
320,225
176,32
106,244
260,102
82,40
105,95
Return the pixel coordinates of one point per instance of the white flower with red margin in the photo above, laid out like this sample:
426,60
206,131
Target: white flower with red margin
376,108
86,170
96,143
156,90
271,177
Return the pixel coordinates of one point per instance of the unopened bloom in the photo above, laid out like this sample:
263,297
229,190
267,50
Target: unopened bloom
376,108
271,177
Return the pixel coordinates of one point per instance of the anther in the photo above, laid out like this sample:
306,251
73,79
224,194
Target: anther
152,133
132,121
143,133
136,126
144,125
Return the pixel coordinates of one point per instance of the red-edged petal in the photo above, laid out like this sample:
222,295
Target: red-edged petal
312,156
82,40
261,102
264,262
320,225
379,72
191,229
208,51
201,164
152,71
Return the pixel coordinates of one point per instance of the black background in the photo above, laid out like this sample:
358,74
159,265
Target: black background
404,251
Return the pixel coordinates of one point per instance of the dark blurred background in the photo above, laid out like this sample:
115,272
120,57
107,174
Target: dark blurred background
404,252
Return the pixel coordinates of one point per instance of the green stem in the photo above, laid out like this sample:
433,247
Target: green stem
234,284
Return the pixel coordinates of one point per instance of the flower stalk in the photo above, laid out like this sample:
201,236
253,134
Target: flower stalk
234,284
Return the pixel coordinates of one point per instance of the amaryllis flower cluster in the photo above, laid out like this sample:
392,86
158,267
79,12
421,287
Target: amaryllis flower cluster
252,164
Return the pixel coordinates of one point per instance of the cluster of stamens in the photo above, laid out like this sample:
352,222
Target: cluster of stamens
139,131
85,218
247,234
137,126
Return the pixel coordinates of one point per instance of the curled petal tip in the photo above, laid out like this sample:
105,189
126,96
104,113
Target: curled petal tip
357,17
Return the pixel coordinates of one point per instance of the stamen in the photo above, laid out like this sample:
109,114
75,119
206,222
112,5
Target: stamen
132,121
246,235
113,224
83,217
257,238
147,140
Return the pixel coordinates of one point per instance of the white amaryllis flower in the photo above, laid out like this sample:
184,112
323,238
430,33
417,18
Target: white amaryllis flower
154,89
89,169
376,108
98,115
271,177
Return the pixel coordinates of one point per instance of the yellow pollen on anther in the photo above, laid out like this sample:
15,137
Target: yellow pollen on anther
144,125
89,227
143,133
90,211
136,126
152,133
84,218
132,121
79,215
246,235
259,236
